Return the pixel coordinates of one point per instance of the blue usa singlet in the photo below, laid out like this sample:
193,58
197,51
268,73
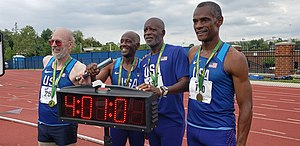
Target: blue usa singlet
48,115
216,110
133,82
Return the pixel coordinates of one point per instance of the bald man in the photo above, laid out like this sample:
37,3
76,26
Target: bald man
123,71
60,70
165,72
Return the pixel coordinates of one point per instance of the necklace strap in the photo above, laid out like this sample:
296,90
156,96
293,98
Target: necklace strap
201,75
133,65
155,76
54,80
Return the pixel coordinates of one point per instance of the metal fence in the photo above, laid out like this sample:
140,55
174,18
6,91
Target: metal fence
258,61
264,61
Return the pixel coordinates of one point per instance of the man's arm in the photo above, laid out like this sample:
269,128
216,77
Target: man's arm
78,70
105,72
180,86
236,65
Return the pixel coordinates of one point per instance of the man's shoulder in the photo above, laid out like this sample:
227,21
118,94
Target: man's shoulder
79,65
46,59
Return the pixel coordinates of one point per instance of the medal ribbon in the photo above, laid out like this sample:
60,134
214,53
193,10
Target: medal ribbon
55,81
155,77
201,76
129,74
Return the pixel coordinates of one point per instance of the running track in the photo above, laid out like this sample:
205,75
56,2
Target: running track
276,118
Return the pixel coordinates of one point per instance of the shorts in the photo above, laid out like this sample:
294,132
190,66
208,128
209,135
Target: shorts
203,137
61,135
120,136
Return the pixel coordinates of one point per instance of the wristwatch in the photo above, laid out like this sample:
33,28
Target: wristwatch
164,90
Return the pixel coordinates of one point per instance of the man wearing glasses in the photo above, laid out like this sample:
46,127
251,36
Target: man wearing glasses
59,71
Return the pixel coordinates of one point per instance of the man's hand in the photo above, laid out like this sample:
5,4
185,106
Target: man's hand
149,88
92,69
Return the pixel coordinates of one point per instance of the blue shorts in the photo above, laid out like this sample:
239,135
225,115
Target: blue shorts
203,137
166,136
119,137
61,135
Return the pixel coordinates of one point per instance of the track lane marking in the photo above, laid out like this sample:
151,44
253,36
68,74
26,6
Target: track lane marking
284,99
84,137
259,114
278,109
274,135
291,119
277,101
269,105
273,131
277,120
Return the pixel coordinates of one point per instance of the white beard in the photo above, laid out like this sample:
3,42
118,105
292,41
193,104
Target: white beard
60,55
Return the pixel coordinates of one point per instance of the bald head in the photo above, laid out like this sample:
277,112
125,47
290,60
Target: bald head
63,34
156,22
132,35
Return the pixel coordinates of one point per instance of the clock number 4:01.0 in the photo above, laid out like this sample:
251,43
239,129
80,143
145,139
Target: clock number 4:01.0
109,109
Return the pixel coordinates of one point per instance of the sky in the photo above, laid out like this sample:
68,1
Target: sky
107,20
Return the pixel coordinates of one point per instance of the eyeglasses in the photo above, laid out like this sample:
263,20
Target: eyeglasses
57,42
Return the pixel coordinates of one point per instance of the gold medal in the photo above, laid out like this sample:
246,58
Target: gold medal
199,97
51,103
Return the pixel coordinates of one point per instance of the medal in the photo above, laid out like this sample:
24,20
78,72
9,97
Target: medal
154,80
51,103
199,97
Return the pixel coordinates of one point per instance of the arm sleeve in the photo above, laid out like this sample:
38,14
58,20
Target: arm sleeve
181,63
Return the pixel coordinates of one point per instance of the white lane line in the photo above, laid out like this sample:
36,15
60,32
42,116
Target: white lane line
277,101
297,109
283,99
296,120
273,131
269,105
277,109
276,120
260,96
259,114
17,107
35,125
279,136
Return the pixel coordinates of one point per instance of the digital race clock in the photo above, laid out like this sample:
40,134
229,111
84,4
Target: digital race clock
112,106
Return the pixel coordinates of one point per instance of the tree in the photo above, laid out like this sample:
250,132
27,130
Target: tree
110,46
43,46
91,42
27,44
8,44
46,34
78,35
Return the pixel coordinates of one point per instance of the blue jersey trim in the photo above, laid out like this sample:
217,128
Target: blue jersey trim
117,63
223,51
209,128
50,62
72,63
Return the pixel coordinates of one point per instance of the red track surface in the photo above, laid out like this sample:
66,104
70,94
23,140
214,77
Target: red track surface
276,119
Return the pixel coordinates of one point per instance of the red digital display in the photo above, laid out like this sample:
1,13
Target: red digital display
117,107
107,109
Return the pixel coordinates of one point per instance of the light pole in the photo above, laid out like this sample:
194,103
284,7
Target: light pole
290,26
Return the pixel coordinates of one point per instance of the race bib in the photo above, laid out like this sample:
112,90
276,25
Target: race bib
205,91
46,95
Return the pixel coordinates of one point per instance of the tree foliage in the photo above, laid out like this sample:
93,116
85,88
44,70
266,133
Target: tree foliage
28,42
